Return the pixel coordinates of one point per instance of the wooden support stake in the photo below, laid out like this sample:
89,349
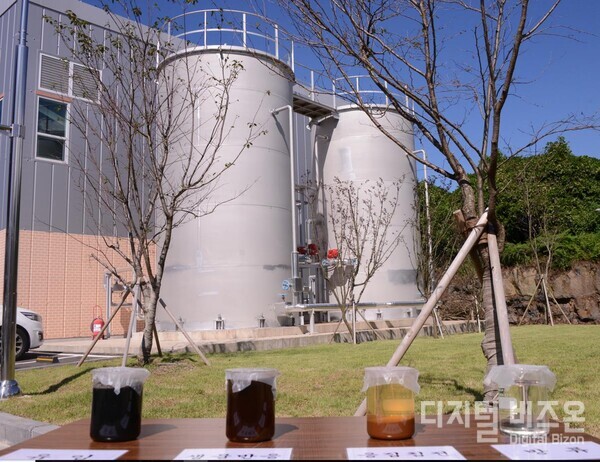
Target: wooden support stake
560,308
130,327
99,336
508,355
180,327
433,299
156,340
530,300
548,307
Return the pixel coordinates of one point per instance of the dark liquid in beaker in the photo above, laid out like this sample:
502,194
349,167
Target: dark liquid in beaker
116,417
250,413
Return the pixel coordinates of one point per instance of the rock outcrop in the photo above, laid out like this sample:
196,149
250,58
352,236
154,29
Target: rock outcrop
573,294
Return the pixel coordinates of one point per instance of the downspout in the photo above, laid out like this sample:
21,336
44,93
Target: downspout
319,178
296,279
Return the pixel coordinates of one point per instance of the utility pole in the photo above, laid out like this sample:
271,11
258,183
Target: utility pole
9,386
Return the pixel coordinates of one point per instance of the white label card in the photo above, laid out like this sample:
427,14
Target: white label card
235,454
550,451
63,454
406,453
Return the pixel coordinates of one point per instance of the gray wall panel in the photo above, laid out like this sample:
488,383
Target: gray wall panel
42,201
48,37
34,27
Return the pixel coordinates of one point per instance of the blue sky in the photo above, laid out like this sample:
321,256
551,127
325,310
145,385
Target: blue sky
562,73
565,75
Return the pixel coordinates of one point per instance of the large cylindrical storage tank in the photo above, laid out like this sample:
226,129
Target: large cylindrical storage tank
357,152
230,264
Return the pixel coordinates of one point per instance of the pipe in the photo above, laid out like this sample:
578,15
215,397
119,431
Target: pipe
317,170
9,386
428,219
321,295
431,281
295,257
309,306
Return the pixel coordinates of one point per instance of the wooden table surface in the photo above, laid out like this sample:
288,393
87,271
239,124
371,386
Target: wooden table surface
311,438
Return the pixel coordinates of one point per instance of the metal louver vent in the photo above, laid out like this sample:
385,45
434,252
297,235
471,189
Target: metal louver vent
54,75
84,82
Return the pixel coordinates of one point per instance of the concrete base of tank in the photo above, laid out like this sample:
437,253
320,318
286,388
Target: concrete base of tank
269,338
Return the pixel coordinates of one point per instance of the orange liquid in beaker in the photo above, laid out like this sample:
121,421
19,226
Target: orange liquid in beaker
390,412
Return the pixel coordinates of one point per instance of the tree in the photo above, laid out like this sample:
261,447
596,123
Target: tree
360,219
403,47
160,163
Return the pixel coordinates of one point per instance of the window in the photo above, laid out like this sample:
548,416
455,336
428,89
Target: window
51,129
67,78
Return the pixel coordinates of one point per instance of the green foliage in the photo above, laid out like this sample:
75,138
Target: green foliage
567,249
516,254
547,205
573,248
553,192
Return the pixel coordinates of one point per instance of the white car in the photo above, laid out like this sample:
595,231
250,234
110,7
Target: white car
30,331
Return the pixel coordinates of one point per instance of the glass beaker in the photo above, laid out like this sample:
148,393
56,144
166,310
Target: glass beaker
523,397
250,404
522,409
117,403
390,402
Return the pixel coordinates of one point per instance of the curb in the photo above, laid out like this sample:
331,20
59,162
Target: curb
14,429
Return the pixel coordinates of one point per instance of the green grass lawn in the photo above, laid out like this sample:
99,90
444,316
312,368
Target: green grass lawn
326,380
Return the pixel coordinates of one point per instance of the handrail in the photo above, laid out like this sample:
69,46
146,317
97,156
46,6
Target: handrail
355,88
274,42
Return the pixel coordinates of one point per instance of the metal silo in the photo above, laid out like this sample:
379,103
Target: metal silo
358,151
229,265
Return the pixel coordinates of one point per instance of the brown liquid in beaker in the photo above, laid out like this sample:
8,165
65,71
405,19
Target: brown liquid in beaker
250,413
390,427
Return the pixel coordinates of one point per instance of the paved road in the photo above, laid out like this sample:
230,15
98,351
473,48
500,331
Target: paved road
39,359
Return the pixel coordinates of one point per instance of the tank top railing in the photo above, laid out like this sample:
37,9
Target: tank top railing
221,27
349,89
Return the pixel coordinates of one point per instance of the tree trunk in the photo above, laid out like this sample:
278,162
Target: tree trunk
149,296
348,323
490,345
